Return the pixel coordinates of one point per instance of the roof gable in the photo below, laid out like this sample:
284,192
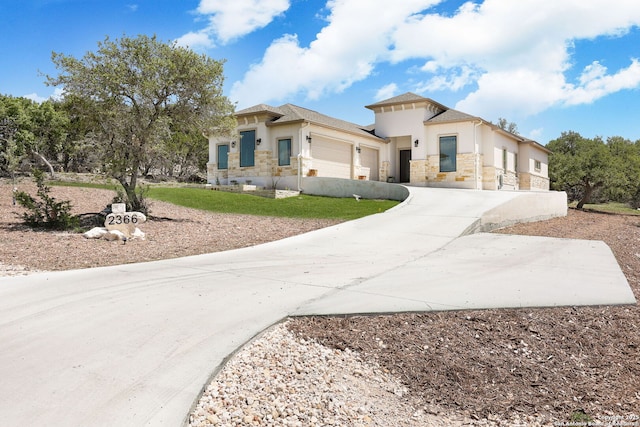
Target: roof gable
451,115
289,113
258,109
408,98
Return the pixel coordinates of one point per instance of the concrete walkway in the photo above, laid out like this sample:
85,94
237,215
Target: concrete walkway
133,345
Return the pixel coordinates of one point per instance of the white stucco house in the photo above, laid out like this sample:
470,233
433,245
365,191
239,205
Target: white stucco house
414,140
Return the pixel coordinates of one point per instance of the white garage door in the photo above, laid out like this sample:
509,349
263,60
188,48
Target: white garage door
369,159
331,159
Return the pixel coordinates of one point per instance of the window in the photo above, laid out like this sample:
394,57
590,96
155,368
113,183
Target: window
504,159
223,156
448,150
284,152
247,148
515,162
536,165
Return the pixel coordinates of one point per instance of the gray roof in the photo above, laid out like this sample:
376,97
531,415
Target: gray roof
406,98
260,108
452,116
289,113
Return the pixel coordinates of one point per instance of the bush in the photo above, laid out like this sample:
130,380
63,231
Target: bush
143,203
46,212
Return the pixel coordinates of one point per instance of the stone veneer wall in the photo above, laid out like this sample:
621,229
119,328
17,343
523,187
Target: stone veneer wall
428,171
489,178
509,180
384,171
265,166
530,181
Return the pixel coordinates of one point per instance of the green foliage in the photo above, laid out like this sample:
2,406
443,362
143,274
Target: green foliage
28,127
46,212
609,207
592,170
139,92
142,203
510,127
302,206
580,416
582,166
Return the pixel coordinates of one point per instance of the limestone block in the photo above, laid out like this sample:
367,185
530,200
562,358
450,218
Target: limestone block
113,235
125,223
118,208
95,233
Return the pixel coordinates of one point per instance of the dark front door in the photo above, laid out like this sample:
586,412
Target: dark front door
405,167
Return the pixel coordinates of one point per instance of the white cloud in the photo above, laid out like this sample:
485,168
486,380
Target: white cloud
345,51
57,94
596,83
520,52
132,7
231,19
386,92
35,97
535,134
454,81
196,41
515,54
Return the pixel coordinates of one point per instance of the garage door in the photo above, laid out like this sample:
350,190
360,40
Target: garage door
331,159
369,159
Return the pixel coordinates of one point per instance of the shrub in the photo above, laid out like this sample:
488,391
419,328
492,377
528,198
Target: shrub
46,212
141,191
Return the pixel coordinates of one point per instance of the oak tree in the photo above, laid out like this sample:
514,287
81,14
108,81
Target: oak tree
139,91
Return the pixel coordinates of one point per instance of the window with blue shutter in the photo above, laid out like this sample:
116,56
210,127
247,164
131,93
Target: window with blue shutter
247,148
223,156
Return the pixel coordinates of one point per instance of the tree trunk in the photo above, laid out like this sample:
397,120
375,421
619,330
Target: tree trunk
46,162
586,196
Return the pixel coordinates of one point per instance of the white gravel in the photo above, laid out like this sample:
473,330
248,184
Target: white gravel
280,380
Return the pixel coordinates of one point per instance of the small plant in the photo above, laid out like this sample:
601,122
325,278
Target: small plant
142,191
46,212
579,416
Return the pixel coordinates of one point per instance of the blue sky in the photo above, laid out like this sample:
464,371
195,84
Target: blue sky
547,65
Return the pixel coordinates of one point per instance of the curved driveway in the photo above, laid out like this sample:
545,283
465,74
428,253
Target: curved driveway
133,345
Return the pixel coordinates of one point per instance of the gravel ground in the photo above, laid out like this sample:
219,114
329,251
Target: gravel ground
170,231
486,367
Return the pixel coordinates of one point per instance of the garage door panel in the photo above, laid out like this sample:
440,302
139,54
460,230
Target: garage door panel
331,158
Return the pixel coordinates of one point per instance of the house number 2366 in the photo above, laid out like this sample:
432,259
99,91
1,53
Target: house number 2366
125,218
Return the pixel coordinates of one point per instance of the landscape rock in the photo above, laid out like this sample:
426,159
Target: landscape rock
95,233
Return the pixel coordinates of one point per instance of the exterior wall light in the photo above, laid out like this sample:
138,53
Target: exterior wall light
415,143
233,144
358,149
309,139
259,140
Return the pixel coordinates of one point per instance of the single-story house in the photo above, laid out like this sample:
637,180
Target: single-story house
414,140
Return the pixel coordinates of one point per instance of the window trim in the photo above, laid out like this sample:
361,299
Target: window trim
505,160
454,162
280,140
243,161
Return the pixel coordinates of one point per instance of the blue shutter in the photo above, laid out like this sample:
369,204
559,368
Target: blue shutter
247,148
223,156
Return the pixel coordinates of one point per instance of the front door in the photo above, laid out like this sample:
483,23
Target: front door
405,166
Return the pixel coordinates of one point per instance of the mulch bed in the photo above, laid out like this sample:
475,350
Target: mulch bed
563,364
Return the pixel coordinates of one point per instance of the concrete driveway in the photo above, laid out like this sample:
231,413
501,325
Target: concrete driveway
133,345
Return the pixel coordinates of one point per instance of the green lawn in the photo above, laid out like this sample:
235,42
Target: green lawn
302,206
611,207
